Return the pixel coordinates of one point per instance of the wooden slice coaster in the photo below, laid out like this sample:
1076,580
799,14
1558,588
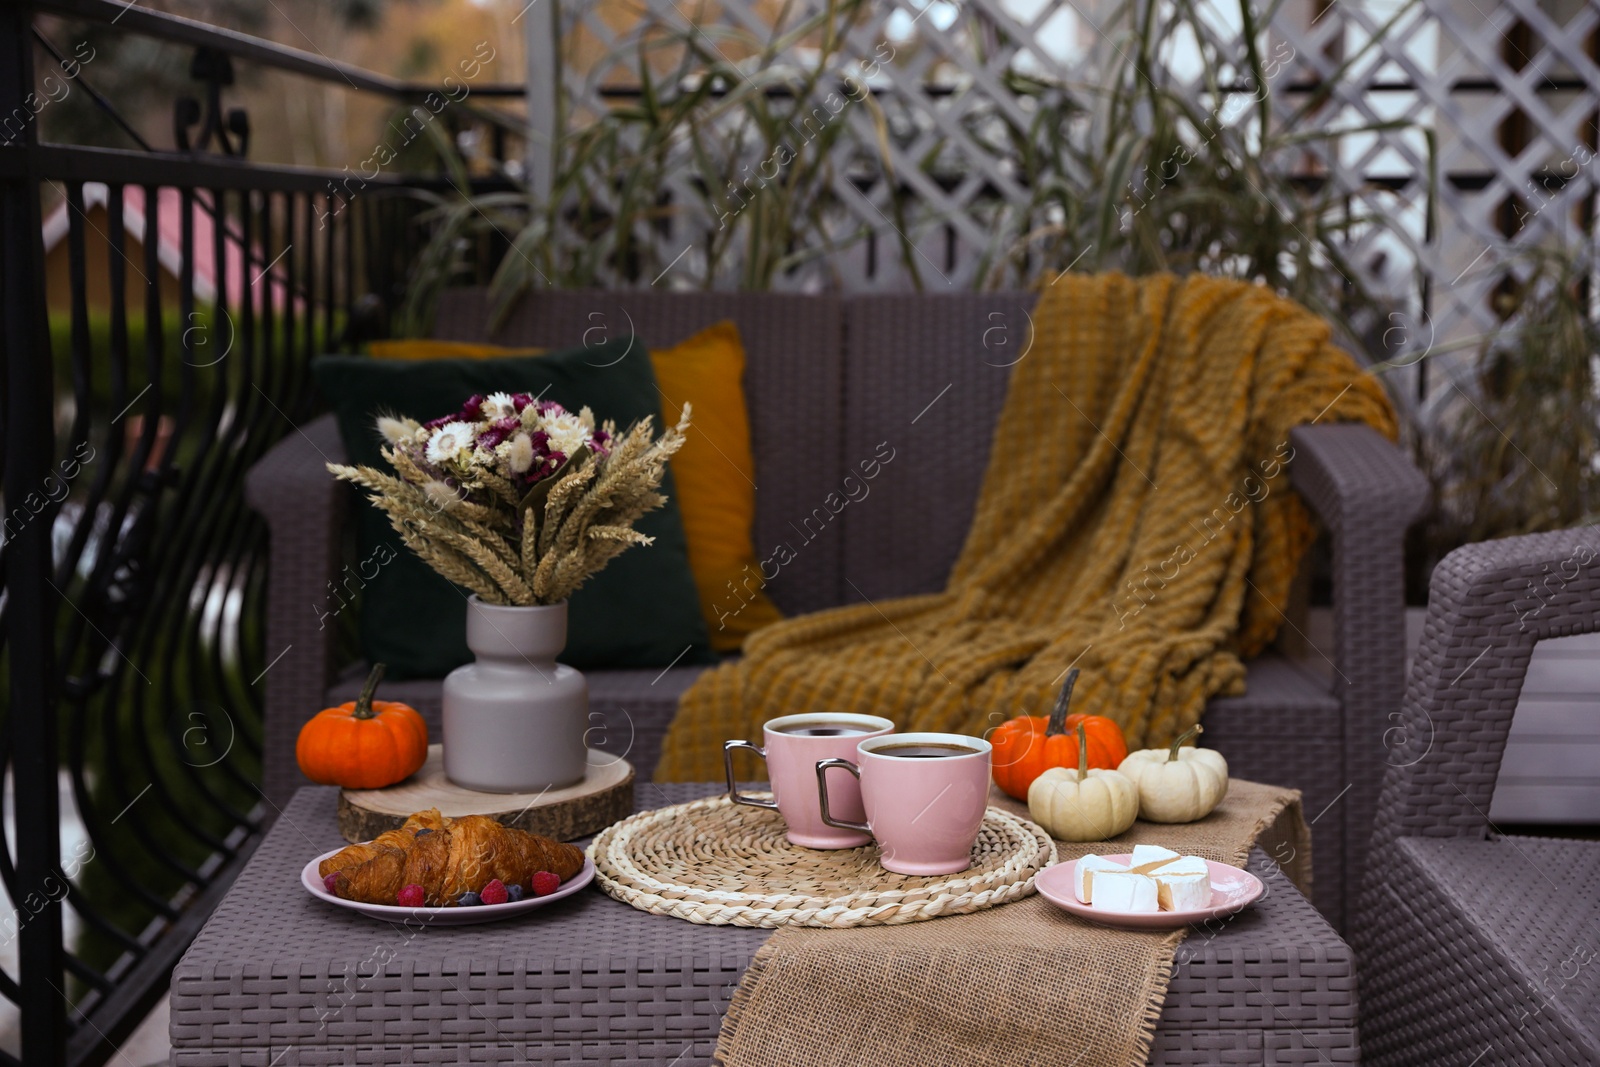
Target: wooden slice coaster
603,797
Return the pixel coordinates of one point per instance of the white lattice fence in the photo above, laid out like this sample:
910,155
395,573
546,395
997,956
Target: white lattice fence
1498,103
1512,150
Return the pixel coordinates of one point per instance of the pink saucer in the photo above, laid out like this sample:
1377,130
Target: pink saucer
1232,889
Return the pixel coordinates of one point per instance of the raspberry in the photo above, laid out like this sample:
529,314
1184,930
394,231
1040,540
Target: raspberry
514,892
493,893
330,884
411,896
545,883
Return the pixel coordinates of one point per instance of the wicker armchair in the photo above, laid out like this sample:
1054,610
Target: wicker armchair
1478,947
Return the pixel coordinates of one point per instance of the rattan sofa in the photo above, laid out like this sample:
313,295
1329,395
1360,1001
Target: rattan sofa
1478,947
828,379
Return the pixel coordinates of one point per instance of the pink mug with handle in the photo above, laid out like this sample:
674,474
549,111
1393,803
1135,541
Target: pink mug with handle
925,795
792,745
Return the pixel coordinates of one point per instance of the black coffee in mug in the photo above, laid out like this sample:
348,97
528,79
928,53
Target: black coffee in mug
922,750
826,729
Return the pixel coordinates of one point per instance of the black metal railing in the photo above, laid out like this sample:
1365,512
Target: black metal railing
150,358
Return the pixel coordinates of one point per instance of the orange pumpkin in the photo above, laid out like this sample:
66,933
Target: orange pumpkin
363,744
1029,745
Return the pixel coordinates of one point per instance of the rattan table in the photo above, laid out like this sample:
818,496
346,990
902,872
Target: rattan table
277,979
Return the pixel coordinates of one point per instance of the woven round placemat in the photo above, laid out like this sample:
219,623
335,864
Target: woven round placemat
719,863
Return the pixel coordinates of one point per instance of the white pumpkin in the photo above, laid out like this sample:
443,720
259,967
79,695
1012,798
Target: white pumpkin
1083,805
1177,784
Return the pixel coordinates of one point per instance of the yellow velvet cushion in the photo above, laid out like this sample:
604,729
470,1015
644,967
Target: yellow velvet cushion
422,348
714,471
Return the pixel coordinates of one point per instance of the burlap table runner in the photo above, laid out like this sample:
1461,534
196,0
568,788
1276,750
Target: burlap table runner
1021,984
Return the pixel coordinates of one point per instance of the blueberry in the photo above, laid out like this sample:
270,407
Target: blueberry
419,833
513,892
469,899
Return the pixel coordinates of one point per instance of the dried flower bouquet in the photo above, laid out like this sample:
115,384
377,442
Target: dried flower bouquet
518,499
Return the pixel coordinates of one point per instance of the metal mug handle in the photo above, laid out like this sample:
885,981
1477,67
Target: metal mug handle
823,767
734,795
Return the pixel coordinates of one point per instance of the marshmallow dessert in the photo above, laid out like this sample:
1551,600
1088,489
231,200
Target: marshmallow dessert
1154,879
1183,892
1088,867
1125,891
1146,857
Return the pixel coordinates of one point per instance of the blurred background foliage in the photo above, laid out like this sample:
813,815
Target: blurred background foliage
1129,169
292,119
1515,449
1133,171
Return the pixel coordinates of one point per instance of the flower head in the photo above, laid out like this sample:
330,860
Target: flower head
395,431
451,441
567,431
497,406
520,454
498,431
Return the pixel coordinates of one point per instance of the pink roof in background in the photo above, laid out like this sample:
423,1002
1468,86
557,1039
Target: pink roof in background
169,241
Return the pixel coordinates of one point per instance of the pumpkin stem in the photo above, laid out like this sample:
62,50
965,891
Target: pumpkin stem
363,709
1083,754
1193,731
1058,714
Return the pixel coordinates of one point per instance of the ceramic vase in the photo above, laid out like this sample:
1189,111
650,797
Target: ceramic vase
514,718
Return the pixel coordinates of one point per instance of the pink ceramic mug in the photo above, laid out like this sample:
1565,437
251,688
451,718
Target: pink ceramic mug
924,794
792,746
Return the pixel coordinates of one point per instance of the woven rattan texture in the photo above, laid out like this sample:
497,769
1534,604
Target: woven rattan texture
1275,967
278,978
1488,605
565,1053
1367,494
922,374
681,861
828,381
792,386
304,509
1477,947
1268,1048
1464,963
1286,729
1208,1048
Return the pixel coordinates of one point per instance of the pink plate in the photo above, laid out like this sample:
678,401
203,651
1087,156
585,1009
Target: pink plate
483,913
1231,890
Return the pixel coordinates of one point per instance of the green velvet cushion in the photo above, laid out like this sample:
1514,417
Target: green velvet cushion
641,611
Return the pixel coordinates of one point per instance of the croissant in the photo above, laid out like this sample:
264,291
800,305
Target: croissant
463,856
355,855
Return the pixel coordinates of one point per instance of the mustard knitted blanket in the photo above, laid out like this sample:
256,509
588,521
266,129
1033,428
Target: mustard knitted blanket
1135,521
